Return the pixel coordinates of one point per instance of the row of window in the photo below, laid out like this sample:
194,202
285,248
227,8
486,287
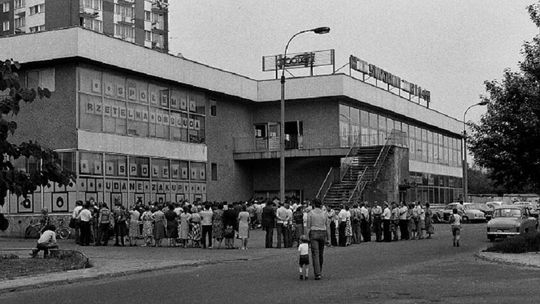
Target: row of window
93,4
363,128
35,9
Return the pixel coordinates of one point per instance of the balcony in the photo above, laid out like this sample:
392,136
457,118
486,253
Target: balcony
308,145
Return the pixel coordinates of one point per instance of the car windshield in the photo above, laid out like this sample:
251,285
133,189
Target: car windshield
507,212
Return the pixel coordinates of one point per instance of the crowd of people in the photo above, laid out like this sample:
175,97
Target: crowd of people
211,224
309,224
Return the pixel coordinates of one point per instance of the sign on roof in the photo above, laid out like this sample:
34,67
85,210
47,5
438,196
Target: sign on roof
298,60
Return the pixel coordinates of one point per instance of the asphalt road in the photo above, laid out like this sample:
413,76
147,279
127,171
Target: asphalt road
421,271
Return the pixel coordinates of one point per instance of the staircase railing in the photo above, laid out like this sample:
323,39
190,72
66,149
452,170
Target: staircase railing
358,182
349,153
326,184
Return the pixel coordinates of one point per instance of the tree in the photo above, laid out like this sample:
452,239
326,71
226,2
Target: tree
506,140
12,179
480,183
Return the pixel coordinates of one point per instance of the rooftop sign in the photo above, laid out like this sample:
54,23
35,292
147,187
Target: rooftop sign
298,60
390,79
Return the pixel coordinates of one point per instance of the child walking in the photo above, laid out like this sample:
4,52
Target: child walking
455,224
303,251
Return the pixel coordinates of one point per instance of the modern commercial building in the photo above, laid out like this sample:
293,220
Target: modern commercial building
144,22
146,125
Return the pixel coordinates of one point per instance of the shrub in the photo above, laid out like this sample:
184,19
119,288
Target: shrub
519,244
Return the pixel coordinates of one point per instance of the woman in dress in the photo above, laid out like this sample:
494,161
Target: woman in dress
348,229
195,233
217,225
134,217
159,226
183,234
243,226
172,225
428,221
147,219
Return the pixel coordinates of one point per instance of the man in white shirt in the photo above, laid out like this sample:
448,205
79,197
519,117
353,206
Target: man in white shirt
46,241
376,215
206,224
343,216
282,225
386,217
364,223
403,221
76,227
85,216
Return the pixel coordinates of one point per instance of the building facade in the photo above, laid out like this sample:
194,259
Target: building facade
144,22
148,126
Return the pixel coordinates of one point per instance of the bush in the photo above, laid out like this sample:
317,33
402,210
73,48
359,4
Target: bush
519,244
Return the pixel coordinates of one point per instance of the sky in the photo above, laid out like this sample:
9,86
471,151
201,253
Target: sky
447,47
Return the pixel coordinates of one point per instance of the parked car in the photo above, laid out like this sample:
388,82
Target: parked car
467,211
532,207
488,211
509,220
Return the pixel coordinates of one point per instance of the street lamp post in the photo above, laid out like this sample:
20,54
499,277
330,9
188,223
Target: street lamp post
465,166
318,30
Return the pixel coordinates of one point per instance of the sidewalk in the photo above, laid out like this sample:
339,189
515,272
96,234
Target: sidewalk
529,259
114,261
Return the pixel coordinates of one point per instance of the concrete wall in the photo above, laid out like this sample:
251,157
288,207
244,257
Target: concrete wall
234,179
306,174
393,173
51,122
320,119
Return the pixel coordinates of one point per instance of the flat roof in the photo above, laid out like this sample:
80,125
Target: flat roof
78,42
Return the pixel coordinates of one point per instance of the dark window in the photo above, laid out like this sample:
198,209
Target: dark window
214,171
213,110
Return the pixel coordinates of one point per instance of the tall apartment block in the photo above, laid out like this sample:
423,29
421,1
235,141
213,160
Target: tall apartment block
144,22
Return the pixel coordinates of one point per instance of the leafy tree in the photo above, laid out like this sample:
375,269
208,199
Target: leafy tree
507,139
12,179
481,183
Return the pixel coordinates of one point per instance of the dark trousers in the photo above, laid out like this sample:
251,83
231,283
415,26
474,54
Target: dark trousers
377,229
206,230
365,229
269,236
318,240
342,238
119,232
85,233
45,247
282,235
333,239
356,232
403,228
386,229
103,234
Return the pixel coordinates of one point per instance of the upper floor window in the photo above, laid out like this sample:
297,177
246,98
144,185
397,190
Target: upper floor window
39,28
93,24
19,4
19,22
5,26
36,9
5,7
124,10
93,4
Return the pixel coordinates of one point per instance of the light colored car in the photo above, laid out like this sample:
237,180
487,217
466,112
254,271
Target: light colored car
467,211
509,220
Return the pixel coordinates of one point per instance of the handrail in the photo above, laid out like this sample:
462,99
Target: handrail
360,177
324,182
354,145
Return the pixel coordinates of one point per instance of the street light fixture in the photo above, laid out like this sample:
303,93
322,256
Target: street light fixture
465,167
320,31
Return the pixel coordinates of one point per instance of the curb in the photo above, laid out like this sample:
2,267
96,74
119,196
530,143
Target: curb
499,259
97,276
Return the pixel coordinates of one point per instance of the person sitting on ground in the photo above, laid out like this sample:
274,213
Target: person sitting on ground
46,241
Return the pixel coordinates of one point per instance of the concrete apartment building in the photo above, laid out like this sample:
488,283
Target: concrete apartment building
144,22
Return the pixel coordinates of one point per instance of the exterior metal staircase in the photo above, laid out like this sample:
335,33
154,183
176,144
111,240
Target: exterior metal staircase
359,168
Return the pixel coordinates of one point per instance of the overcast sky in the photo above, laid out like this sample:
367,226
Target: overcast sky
447,47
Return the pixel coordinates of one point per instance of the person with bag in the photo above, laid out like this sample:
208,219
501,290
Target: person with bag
355,223
104,225
119,224
455,225
229,222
